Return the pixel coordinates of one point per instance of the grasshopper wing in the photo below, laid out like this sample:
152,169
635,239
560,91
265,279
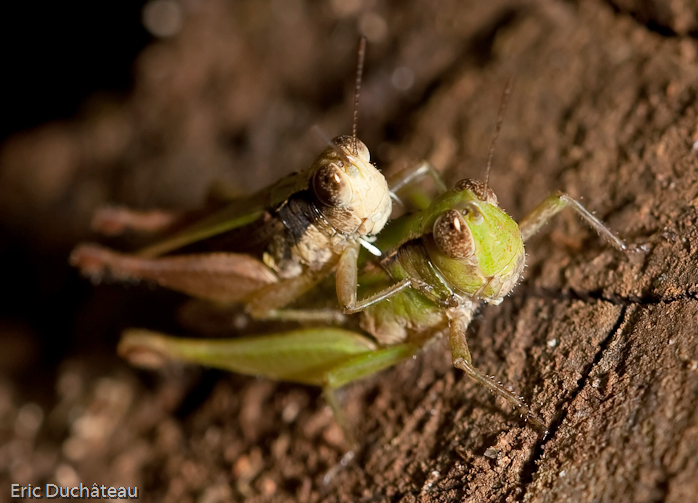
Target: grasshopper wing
236,213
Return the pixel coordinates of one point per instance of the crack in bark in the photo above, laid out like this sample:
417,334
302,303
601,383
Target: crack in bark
645,20
616,300
667,475
529,469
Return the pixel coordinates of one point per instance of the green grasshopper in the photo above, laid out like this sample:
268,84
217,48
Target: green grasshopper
440,263
302,227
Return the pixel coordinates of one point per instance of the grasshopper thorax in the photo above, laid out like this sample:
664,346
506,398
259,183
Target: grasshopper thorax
475,245
349,191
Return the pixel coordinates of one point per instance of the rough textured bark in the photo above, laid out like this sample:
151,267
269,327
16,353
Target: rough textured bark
602,345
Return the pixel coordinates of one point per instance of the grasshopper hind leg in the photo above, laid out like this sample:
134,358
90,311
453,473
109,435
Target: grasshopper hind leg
326,357
117,220
114,220
356,368
218,277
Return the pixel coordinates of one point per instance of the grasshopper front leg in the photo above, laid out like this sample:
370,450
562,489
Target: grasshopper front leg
459,321
552,205
347,285
347,288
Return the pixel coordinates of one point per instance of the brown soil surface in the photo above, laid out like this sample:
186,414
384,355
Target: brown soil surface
602,345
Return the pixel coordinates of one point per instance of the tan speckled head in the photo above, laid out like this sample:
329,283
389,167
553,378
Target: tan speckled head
351,193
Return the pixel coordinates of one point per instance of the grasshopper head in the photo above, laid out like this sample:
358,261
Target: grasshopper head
475,245
351,193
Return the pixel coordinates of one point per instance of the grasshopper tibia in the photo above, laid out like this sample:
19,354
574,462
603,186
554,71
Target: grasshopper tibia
462,360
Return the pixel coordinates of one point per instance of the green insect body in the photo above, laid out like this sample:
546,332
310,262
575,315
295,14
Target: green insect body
474,252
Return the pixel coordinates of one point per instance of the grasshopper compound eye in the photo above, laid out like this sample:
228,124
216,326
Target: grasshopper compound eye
452,235
332,186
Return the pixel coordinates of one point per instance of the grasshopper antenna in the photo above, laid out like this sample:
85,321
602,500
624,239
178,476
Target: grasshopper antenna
357,88
361,56
500,118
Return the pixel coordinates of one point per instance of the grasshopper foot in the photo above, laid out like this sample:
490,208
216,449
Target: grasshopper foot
92,260
347,458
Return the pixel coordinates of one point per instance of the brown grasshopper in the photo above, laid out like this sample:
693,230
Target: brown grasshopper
284,239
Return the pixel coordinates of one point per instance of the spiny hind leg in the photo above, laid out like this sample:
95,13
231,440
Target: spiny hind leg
353,370
357,368
114,220
218,277
329,357
555,203
462,360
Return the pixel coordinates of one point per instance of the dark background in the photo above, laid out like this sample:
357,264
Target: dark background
56,57
57,54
